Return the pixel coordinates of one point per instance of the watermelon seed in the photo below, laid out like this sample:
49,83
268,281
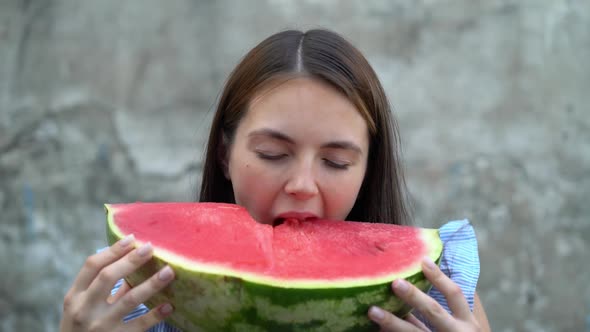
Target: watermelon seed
379,247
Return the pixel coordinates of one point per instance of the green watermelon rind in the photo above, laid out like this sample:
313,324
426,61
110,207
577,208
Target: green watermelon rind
222,299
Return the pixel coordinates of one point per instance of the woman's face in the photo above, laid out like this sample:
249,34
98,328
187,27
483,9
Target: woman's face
300,151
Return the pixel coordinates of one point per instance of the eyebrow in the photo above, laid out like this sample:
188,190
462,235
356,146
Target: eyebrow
345,145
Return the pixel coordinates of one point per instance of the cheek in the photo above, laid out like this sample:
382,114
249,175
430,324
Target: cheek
253,187
340,195
242,180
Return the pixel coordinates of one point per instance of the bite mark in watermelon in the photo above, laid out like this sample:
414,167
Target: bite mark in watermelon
235,274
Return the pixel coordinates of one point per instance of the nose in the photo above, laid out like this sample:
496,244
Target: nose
302,183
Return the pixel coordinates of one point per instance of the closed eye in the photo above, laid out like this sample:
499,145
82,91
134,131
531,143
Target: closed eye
270,156
336,165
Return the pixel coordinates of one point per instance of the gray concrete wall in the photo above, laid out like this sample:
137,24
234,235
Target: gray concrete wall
109,101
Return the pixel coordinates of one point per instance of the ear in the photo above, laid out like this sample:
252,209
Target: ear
223,155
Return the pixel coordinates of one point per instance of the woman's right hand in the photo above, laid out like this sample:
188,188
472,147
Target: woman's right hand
88,305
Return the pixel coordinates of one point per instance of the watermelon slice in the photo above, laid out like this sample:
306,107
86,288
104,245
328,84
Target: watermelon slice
233,273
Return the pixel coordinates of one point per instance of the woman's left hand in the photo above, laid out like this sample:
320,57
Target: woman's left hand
462,318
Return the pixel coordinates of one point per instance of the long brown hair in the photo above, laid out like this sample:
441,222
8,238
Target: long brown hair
323,55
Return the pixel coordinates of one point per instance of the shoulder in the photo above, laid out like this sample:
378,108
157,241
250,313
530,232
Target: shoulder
460,259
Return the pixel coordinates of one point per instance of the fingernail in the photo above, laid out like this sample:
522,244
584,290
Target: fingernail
166,309
401,286
145,249
428,263
127,240
166,273
376,313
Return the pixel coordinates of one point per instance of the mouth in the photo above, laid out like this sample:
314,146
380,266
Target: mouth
294,216
278,221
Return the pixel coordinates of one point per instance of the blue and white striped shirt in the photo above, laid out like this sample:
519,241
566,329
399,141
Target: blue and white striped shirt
460,261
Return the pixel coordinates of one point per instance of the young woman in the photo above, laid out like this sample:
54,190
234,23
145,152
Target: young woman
303,130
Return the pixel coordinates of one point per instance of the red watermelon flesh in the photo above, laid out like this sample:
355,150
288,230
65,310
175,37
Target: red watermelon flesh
224,239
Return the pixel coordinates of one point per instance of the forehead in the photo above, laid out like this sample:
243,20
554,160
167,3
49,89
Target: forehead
306,108
298,95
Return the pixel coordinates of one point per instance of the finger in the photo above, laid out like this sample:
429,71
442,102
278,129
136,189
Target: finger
142,292
95,263
427,306
452,292
389,322
123,289
108,276
416,322
150,319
